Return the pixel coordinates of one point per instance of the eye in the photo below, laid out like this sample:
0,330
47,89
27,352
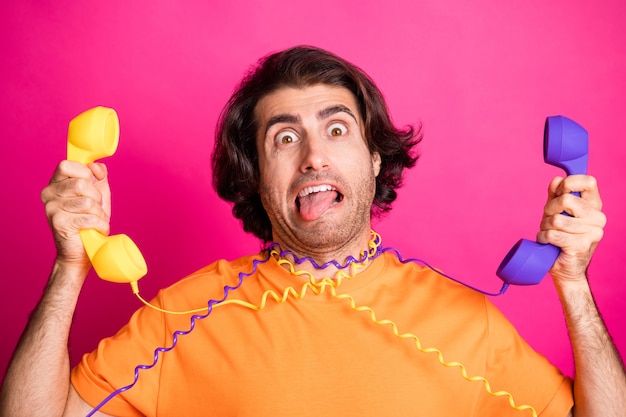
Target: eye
337,129
286,138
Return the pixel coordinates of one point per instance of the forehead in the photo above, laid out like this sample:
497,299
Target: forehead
303,101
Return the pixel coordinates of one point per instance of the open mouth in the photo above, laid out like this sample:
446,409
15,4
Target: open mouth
313,201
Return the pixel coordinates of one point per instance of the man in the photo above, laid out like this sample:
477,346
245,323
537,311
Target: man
321,322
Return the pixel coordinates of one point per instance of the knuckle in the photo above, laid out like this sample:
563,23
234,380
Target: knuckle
597,234
84,221
69,186
45,195
603,219
64,168
553,236
81,204
85,203
65,223
562,221
558,221
592,182
58,222
570,200
80,186
50,208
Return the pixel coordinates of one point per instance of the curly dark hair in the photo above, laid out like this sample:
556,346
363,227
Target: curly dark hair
235,159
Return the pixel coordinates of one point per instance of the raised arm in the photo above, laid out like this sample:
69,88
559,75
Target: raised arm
600,380
37,381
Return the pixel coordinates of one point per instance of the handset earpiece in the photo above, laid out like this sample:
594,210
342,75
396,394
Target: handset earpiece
92,135
565,145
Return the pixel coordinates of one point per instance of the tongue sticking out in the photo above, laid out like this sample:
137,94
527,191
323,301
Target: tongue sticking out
315,204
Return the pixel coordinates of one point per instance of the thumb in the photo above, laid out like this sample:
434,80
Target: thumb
101,175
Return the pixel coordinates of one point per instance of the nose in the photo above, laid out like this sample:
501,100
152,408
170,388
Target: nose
314,155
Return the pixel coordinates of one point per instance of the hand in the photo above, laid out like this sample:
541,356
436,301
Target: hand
577,235
78,197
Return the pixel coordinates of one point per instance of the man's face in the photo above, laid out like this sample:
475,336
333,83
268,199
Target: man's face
317,175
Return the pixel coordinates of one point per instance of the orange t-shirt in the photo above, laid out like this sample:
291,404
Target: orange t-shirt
319,356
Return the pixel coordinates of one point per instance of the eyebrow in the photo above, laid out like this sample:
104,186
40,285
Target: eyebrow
282,118
322,114
339,108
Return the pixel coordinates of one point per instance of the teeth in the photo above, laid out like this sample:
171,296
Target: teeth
315,189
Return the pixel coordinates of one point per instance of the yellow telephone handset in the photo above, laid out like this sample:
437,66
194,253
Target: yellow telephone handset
92,135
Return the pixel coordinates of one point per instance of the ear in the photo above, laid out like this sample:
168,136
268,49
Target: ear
376,163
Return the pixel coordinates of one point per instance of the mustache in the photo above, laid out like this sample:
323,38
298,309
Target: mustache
319,177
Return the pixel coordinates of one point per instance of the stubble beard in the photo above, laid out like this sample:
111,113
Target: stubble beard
332,235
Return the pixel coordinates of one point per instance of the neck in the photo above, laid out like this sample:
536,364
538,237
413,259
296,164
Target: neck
327,265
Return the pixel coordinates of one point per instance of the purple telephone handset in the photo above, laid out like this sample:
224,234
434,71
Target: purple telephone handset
565,145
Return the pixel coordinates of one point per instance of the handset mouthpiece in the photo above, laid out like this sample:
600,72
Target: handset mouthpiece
115,258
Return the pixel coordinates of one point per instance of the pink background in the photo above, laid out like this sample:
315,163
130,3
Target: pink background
481,76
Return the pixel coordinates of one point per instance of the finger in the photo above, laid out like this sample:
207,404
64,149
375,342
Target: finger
553,187
71,169
71,187
584,230
66,225
98,169
585,224
586,185
571,204
572,242
100,173
564,225
74,179
574,225
76,205
78,197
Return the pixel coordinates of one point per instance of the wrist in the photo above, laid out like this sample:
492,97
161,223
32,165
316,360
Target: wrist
571,287
568,282
70,273
576,300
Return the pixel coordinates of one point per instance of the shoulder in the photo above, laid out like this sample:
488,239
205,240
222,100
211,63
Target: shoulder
212,281
221,268
416,274
423,299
